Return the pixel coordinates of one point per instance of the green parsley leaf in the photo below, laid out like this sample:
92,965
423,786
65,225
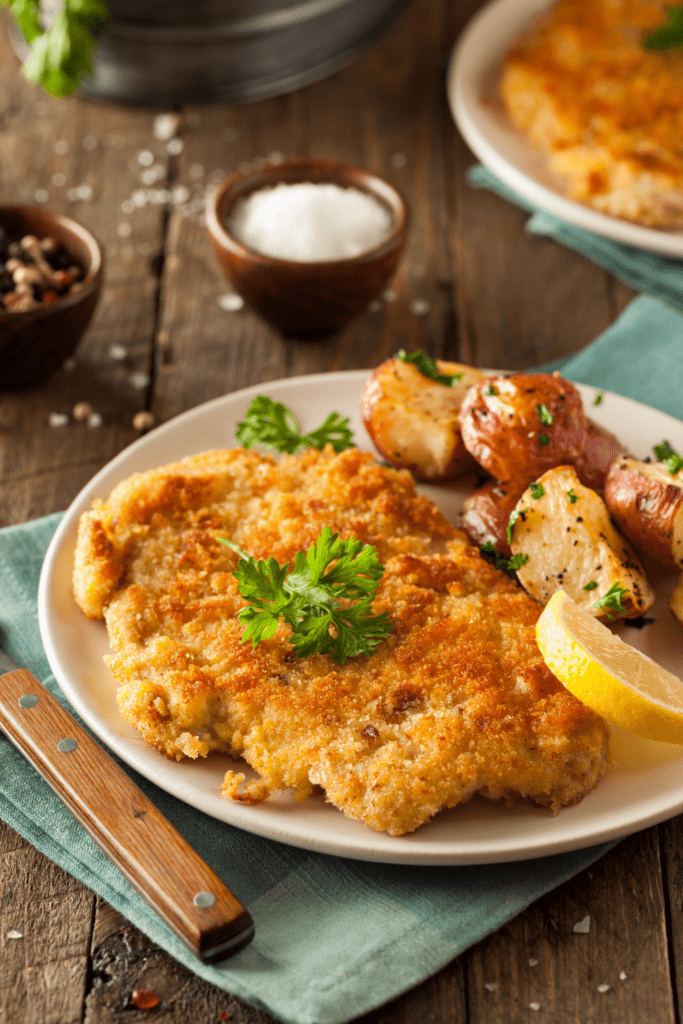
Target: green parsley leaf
613,599
590,586
544,415
537,490
314,598
514,516
500,562
573,497
598,398
490,390
543,440
668,36
61,55
671,459
427,366
272,424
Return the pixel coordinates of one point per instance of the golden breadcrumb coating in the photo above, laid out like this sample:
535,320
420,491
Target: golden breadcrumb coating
608,112
457,700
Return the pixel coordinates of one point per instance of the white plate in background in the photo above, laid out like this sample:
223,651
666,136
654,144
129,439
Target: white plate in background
478,111
644,786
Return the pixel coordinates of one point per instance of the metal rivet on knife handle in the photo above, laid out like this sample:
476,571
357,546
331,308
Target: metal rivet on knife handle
28,700
204,900
66,746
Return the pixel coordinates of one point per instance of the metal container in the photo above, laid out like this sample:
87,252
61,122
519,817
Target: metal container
168,52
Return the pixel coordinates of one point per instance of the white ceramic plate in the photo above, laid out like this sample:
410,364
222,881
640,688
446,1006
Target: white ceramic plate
645,785
478,111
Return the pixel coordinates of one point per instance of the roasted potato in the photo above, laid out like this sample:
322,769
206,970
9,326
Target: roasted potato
646,502
519,426
573,546
413,420
676,600
486,513
599,452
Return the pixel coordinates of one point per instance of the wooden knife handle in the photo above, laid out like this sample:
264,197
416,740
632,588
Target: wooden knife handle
157,861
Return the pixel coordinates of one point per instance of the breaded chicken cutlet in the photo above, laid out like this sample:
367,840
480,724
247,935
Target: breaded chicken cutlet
607,111
456,700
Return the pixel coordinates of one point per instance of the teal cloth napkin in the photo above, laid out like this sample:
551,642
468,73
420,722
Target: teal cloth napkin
335,938
649,272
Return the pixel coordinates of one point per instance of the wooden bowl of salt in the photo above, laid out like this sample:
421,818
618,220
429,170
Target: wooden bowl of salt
308,243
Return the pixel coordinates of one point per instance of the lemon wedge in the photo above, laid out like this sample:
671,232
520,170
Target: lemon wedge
618,682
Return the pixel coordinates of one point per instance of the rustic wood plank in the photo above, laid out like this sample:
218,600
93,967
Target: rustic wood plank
43,973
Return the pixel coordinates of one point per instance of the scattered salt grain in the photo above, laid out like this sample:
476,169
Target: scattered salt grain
181,194
94,420
139,197
118,353
139,380
603,988
61,147
623,976
59,179
41,196
309,222
532,961
165,126
419,307
14,934
583,926
58,419
146,158
175,147
491,986
534,1006
231,303
390,295
399,160
125,230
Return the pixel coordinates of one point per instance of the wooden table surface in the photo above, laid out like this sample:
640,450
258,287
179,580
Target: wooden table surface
496,297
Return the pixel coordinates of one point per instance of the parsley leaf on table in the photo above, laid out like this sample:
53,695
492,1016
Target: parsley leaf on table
427,366
312,599
272,424
61,55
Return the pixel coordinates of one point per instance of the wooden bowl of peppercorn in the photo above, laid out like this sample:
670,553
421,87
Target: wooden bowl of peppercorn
51,270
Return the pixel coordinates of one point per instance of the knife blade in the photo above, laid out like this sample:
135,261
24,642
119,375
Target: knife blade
146,848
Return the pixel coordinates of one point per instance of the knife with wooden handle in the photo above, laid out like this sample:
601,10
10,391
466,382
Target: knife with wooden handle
157,861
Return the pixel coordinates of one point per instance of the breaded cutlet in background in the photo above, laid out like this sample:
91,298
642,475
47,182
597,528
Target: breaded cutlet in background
456,700
607,111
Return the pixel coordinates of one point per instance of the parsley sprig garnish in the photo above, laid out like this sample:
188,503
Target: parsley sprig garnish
671,459
427,366
61,55
514,516
312,599
500,562
668,36
613,599
544,415
537,490
272,424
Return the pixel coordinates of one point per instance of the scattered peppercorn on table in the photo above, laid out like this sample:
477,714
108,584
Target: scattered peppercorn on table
169,334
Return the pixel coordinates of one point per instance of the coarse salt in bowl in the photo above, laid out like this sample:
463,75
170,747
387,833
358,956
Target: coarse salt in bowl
309,243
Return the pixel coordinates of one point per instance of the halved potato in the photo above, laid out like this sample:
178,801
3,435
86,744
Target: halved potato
486,513
573,545
413,420
676,600
519,426
599,452
647,503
